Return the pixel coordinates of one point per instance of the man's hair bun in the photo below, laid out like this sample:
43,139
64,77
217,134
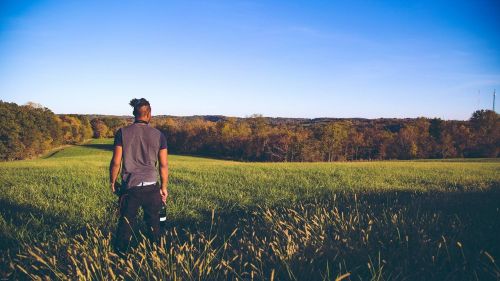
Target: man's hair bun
133,102
138,102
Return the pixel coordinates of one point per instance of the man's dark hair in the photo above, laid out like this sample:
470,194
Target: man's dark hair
141,107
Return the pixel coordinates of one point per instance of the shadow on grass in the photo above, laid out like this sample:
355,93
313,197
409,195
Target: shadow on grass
27,220
481,205
107,147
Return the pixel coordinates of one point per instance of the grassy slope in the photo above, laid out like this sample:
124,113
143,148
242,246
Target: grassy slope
72,183
70,187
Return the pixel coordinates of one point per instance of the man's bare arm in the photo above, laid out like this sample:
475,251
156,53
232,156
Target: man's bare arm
114,166
163,157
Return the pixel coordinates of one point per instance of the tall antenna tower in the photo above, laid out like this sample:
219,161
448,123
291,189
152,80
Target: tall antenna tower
494,96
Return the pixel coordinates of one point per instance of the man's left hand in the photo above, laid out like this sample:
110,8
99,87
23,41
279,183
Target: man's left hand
164,195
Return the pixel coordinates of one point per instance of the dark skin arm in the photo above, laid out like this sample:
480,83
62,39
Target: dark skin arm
162,156
114,166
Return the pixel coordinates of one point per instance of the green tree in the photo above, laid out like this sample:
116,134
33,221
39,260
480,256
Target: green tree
334,140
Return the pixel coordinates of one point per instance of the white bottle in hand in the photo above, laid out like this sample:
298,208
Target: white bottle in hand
163,215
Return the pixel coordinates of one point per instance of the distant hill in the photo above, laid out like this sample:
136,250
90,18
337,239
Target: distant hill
276,120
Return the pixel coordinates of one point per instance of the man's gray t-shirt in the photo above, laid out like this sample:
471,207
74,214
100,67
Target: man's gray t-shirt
141,145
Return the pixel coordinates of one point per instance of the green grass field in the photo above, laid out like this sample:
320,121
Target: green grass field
391,220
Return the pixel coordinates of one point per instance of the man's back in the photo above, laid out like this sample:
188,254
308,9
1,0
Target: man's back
141,144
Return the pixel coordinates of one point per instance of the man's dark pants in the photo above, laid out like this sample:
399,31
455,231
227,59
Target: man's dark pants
147,197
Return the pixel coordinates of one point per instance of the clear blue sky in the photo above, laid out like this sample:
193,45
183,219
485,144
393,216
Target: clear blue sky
278,58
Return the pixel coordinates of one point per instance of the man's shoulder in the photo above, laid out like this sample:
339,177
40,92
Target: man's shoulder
126,127
154,130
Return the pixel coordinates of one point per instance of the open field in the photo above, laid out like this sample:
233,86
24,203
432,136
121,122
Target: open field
392,220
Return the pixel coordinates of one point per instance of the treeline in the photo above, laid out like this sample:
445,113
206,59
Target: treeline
257,139
106,127
29,130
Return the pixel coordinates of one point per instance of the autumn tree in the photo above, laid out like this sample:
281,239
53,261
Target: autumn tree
99,128
486,133
113,124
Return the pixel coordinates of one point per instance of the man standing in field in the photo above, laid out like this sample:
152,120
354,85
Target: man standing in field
139,148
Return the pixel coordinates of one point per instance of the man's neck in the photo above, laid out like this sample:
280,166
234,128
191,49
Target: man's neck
140,121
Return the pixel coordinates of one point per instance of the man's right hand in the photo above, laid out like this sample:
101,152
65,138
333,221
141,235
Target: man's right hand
113,190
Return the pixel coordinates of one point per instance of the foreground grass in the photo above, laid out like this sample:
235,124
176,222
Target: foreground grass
378,220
